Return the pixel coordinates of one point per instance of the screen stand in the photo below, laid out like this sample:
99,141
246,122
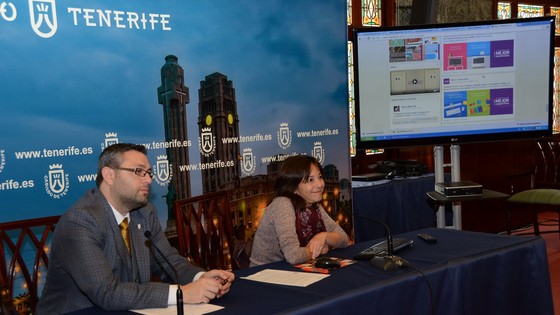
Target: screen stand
439,170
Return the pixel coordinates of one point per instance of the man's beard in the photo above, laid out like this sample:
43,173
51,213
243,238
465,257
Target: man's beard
134,204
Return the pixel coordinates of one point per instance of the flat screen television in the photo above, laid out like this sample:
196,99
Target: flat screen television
453,83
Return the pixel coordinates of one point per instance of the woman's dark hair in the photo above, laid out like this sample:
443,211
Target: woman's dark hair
294,170
111,157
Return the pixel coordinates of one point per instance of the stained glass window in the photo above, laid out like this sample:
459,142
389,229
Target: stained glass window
504,10
556,11
371,12
351,105
349,12
528,10
371,16
555,112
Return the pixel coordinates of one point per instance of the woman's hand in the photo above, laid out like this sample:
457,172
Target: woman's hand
318,245
322,242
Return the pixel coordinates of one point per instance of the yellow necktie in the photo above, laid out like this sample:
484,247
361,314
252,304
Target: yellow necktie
124,232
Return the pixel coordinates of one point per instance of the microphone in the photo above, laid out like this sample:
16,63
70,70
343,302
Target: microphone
389,261
180,307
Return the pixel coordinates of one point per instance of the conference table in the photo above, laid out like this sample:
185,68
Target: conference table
463,273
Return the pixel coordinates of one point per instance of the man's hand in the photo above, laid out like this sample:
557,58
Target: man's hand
212,284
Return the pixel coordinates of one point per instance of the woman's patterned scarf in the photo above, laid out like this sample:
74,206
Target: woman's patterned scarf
308,224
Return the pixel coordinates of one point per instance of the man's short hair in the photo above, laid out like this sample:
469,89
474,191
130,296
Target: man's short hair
111,157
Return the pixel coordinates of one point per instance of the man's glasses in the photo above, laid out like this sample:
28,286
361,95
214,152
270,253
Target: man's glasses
137,171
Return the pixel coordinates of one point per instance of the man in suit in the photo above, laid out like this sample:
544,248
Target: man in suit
90,263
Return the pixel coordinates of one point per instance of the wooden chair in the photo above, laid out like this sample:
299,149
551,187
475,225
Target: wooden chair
205,230
541,190
24,247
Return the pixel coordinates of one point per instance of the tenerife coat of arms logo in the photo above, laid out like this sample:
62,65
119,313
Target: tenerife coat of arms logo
248,165
163,171
57,181
43,19
318,152
207,142
284,136
110,139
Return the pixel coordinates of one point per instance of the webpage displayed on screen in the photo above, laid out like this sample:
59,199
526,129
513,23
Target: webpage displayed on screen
452,80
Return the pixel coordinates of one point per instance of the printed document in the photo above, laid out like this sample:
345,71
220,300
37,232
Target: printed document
293,278
190,309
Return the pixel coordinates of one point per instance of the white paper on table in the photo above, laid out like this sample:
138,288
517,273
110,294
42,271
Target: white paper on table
190,309
284,277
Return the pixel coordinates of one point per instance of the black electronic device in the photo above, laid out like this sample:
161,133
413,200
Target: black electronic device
453,83
180,306
428,238
459,189
380,249
386,260
370,176
327,263
402,168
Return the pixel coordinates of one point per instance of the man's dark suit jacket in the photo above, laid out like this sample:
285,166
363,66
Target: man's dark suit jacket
89,263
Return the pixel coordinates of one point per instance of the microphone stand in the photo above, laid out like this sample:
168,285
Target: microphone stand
389,261
180,306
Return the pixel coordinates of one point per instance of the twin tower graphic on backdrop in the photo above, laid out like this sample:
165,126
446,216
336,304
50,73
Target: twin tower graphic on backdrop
222,162
217,119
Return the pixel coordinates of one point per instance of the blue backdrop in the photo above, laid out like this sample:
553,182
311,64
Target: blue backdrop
78,75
